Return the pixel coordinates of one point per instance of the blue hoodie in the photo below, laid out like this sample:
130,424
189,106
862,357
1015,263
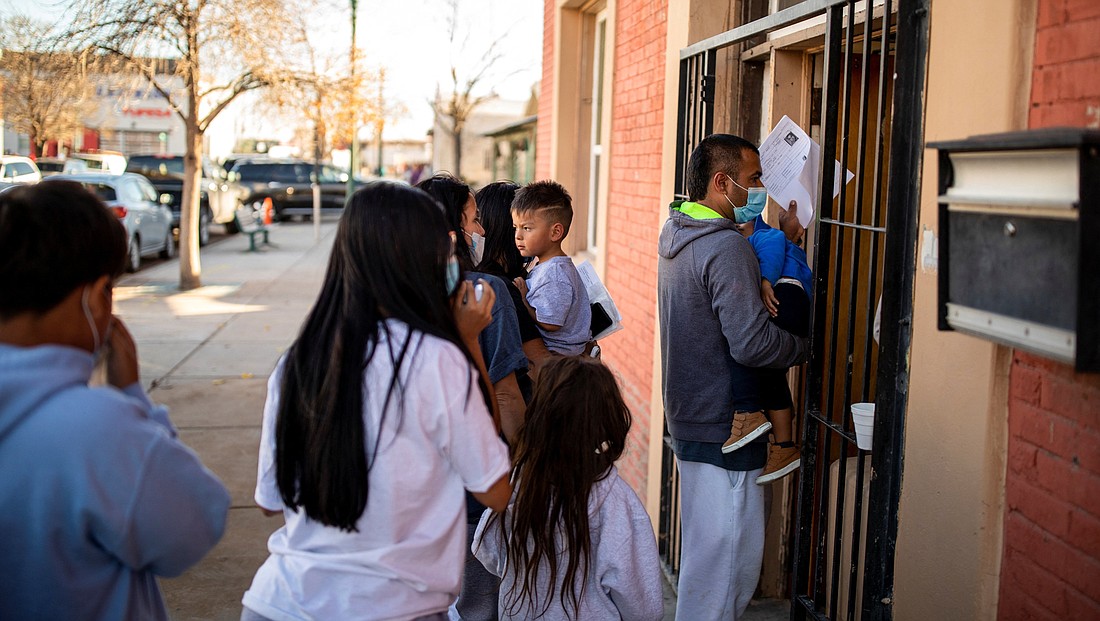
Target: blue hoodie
99,497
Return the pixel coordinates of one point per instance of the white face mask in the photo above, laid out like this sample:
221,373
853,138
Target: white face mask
98,348
477,247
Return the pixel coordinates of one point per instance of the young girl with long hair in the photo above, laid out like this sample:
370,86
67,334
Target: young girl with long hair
576,542
375,422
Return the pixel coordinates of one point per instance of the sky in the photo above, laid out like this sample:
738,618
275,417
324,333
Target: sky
407,37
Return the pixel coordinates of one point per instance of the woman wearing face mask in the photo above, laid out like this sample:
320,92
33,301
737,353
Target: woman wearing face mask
504,358
500,342
99,496
376,419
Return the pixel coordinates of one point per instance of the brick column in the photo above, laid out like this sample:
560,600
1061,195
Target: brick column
544,128
1051,564
634,199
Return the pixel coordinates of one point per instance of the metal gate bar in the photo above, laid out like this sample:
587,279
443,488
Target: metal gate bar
902,207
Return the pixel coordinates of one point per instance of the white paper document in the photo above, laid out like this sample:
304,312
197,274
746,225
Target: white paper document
791,162
597,294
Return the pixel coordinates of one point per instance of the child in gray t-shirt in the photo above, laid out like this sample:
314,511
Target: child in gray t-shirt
553,294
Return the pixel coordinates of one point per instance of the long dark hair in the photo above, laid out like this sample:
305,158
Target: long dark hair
450,192
494,201
388,261
576,428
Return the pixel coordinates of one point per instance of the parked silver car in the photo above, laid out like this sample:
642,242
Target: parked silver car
147,219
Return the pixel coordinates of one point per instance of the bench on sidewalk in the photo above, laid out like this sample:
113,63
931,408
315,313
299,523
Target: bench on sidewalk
251,223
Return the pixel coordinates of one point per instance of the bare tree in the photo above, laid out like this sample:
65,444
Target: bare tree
384,111
317,88
44,90
219,48
453,110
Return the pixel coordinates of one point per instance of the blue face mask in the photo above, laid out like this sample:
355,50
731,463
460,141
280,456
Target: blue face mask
754,206
452,275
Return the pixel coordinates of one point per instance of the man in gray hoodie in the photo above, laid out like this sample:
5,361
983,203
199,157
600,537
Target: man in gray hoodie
713,325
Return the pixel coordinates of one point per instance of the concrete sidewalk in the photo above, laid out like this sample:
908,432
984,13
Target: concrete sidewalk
207,354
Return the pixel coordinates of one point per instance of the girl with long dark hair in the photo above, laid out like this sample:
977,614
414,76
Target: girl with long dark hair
375,421
576,542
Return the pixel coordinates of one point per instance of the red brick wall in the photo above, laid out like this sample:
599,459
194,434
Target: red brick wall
634,203
1066,79
543,129
1051,564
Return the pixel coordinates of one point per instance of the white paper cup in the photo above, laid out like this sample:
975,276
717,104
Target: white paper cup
863,418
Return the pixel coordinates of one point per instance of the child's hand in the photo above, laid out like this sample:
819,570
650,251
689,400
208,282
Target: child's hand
767,294
521,284
472,315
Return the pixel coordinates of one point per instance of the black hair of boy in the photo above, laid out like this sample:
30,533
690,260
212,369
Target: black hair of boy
550,199
54,237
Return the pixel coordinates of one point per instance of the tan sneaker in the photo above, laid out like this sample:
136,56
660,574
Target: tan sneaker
781,462
747,426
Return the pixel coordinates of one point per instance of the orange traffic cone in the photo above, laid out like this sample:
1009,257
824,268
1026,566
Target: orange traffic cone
268,208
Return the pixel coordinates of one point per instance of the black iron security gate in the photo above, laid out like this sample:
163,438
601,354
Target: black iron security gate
870,116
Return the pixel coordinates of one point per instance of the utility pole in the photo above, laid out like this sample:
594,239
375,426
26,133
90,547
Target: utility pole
381,125
354,126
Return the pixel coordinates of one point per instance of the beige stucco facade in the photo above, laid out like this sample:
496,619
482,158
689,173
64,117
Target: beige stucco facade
952,502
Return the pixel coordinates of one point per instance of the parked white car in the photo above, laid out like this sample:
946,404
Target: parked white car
18,169
61,166
105,161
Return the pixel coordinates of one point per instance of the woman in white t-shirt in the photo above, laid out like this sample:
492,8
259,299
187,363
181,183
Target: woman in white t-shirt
376,420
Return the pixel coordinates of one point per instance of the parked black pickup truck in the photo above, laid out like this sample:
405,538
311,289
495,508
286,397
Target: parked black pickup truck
288,183
166,174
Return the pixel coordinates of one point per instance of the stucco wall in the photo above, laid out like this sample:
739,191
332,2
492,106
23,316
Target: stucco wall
949,541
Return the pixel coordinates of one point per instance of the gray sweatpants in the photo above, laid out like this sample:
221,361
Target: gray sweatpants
723,542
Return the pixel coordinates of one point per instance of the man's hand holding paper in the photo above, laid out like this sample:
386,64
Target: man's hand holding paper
791,162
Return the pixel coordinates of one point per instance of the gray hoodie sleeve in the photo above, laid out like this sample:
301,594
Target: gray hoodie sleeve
732,277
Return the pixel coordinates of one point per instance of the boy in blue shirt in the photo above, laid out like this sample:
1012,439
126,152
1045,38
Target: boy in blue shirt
553,293
786,282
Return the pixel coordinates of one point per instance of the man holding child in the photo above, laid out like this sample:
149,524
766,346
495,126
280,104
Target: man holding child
713,325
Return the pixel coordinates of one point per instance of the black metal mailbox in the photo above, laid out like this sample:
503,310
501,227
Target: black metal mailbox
1019,249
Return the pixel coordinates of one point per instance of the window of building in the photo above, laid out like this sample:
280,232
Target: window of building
131,141
597,198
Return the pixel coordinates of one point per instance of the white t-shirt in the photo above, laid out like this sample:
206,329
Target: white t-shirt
623,580
406,559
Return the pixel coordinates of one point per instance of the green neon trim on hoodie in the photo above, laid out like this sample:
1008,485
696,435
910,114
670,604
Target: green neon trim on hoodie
696,210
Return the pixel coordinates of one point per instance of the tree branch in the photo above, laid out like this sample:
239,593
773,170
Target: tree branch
147,73
245,83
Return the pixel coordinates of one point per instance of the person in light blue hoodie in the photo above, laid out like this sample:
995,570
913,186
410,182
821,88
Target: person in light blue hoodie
99,495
